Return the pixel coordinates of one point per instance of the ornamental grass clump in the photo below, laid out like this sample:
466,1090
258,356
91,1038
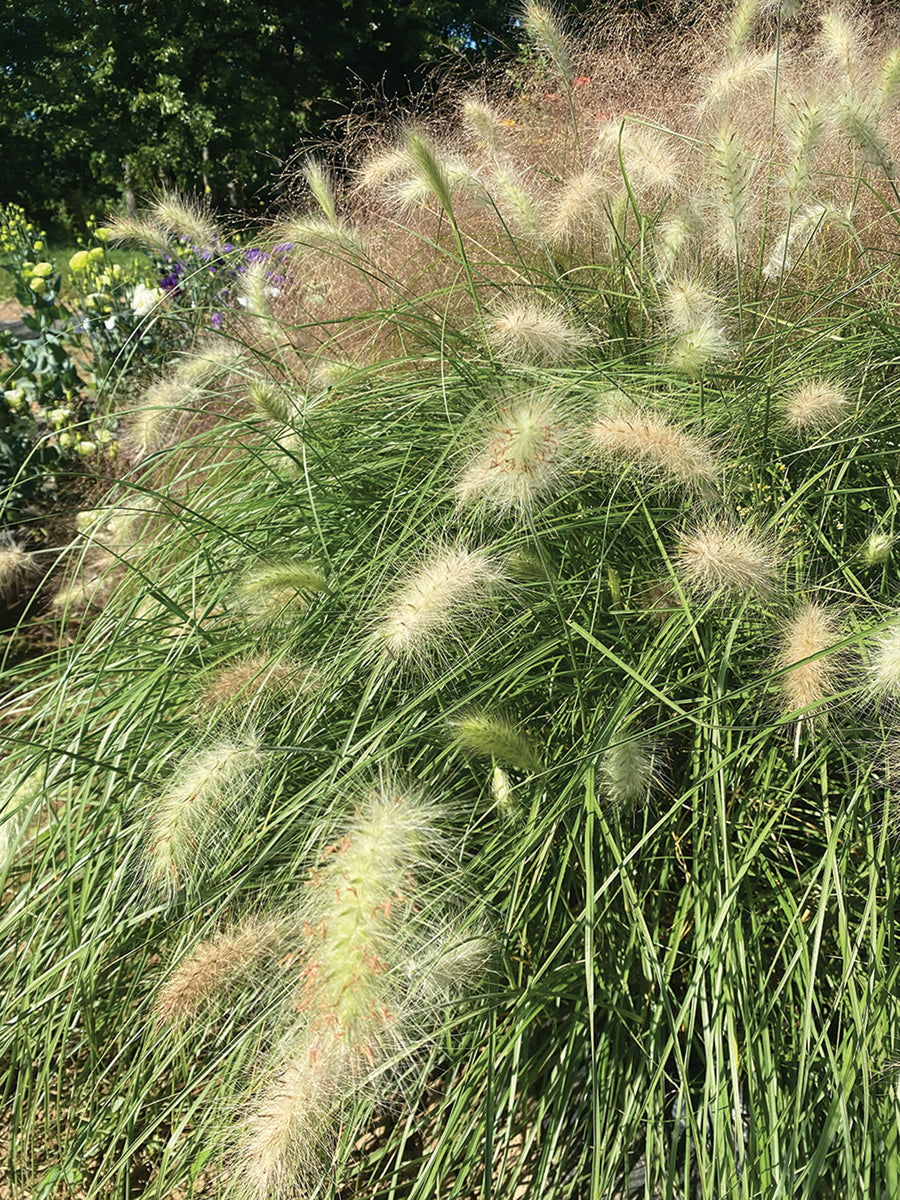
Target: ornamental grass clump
593,590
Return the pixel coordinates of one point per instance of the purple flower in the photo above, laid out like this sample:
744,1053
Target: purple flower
282,247
253,255
217,321
228,247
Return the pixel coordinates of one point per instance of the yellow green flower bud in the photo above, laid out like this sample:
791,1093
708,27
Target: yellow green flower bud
79,260
37,285
85,449
43,270
65,440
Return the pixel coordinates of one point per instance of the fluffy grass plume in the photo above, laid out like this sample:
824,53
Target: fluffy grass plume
543,27
815,407
16,566
627,772
487,735
436,602
884,663
276,591
631,434
205,785
533,334
876,549
213,966
367,981
700,348
810,673
523,459
251,680
717,554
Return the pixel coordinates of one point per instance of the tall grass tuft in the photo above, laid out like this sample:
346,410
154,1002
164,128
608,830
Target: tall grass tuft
417,778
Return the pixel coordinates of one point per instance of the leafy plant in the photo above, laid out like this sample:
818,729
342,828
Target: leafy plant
477,746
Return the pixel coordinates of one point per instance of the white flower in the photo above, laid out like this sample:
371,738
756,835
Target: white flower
144,299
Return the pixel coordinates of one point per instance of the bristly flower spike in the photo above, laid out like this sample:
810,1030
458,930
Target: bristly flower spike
435,602
815,407
717,555
541,26
534,334
627,771
810,673
653,443
524,458
488,735
182,818
884,664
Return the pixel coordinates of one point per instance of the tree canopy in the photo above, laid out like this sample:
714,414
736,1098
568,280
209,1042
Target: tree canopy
202,95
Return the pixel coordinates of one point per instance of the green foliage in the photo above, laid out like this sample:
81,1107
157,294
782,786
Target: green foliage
475,765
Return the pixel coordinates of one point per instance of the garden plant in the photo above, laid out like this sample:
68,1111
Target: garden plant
468,767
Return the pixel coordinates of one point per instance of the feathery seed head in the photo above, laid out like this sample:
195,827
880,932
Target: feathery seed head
256,291
215,965
743,75
797,238
534,334
627,771
520,209
698,348
252,679
638,435
16,565
688,304
877,548
318,179
718,555
429,167
280,1141
577,206
816,407
483,122
435,602
277,591
741,26
729,161
502,792
180,218
841,40
672,236
858,122
524,457
329,237
648,157
884,664
206,783
889,83
18,792
271,401
488,735
146,233
811,673
541,25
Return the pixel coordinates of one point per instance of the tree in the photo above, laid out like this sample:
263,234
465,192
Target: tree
98,98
